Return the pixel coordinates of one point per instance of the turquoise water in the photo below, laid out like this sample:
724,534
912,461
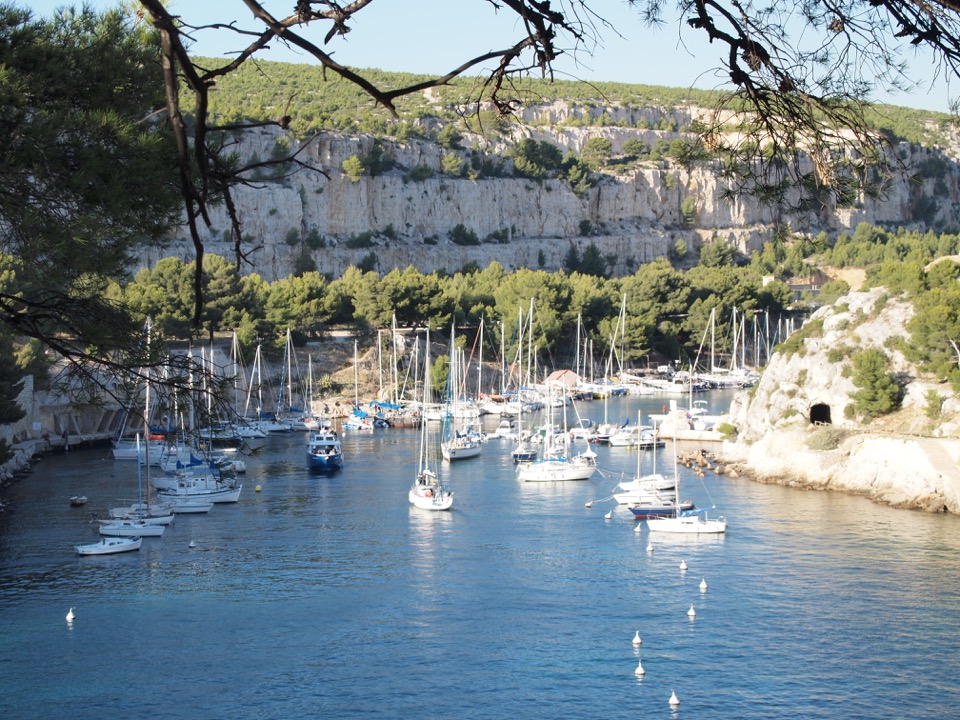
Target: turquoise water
332,597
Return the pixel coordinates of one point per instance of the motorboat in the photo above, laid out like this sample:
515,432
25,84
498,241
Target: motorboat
110,546
324,451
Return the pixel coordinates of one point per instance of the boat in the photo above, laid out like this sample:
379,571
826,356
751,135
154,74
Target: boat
427,492
324,451
78,500
556,465
691,521
188,505
651,494
584,429
151,514
130,528
578,467
460,440
526,449
110,546
642,437
200,489
134,448
506,429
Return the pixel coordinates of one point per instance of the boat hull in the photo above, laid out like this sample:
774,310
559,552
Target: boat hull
230,495
439,501
688,525
110,546
555,471
131,529
324,462
460,452
658,510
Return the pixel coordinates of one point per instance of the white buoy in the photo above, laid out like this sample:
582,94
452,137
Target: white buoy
636,639
691,612
70,615
608,515
683,565
192,544
639,671
703,585
674,700
649,547
638,528
589,504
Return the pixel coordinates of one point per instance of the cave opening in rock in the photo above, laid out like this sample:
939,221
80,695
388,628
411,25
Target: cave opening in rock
820,414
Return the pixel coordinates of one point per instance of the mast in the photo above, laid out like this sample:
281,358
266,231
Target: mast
393,365
356,378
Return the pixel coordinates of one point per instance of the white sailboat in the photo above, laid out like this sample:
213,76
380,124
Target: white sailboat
427,492
460,441
556,464
110,546
693,522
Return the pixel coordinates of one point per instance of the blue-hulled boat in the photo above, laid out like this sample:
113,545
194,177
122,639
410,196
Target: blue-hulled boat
324,451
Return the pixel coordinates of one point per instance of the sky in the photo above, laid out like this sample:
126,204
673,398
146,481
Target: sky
436,36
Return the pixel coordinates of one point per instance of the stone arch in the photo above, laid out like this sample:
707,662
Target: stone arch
820,414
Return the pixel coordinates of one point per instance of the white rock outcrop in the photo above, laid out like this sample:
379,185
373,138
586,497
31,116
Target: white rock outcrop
905,459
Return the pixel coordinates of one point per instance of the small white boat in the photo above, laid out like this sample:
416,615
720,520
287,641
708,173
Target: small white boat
194,489
696,523
506,429
428,494
110,545
78,500
130,528
184,505
690,522
150,514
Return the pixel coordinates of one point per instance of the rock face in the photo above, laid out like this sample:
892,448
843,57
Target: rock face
905,459
632,217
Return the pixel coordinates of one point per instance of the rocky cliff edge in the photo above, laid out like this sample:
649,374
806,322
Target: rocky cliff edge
906,459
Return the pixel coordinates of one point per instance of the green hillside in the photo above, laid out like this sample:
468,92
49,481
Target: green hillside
316,100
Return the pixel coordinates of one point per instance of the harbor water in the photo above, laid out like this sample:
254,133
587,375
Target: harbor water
330,596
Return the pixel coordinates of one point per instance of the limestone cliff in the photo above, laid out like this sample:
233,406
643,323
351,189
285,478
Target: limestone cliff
632,216
905,459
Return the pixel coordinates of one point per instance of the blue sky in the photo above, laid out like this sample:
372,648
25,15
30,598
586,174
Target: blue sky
435,36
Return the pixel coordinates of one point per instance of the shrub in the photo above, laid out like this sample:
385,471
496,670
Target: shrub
728,431
460,235
826,437
878,393
420,173
363,240
353,168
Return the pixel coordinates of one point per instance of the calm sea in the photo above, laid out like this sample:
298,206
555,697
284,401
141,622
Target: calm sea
331,597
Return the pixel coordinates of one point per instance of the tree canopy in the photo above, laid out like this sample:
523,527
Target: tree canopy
87,177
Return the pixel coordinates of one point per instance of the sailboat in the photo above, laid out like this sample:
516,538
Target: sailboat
526,450
649,495
460,440
686,521
427,492
140,511
555,464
